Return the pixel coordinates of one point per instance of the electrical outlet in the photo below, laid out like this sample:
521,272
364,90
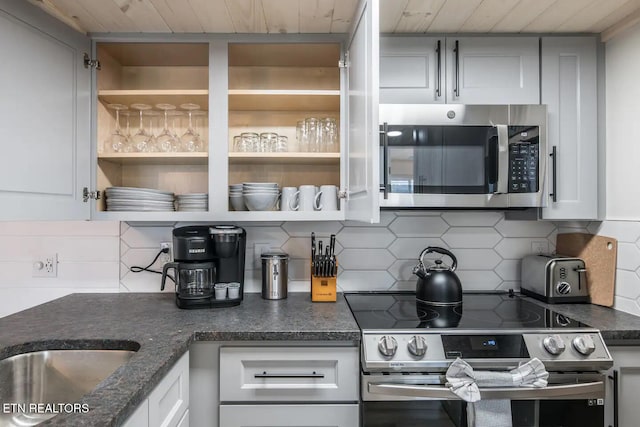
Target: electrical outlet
540,247
45,266
258,250
165,257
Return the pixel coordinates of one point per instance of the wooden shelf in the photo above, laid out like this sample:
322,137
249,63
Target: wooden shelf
210,216
153,97
198,158
284,100
284,158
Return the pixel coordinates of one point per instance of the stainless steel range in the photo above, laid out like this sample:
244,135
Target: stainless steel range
407,346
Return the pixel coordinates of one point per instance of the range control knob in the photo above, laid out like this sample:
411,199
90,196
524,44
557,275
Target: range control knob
417,346
553,344
584,344
387,346
563,288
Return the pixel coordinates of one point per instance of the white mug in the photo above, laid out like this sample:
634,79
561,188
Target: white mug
288,200
328,198
307,199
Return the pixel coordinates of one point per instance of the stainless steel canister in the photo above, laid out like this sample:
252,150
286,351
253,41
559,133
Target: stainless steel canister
275,271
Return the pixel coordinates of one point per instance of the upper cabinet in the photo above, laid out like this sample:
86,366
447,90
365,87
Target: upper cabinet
465,70
45,116
570,91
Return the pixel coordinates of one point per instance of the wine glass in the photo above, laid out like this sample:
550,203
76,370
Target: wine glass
175,116
166,141
128,144
199,120
117,140
141,138
152,145
190,140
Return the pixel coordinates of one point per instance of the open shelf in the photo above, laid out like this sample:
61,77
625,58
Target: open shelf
153,97
284,158
198,158
221,216
284,100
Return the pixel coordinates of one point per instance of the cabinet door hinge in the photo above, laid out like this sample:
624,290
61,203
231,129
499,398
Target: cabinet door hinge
86,195
342,194
344,62
91,63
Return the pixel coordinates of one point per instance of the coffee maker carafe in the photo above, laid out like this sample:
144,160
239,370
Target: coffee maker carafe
206,256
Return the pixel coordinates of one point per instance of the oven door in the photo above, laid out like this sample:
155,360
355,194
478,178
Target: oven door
570,400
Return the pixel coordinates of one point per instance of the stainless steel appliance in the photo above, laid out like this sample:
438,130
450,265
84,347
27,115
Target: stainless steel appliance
275,272
407,348
463,156
554,278
204,256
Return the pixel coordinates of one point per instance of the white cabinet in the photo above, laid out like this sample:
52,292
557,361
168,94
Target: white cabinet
45,116
289,415
569,89
168,403
623,387
465,70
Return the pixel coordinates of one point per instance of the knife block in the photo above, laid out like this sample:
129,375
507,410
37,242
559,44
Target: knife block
323,289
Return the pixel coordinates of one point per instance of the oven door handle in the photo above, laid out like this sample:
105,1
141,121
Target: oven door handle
502,186
574,391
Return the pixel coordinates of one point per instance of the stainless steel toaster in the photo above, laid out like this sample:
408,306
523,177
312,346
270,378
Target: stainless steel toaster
554,278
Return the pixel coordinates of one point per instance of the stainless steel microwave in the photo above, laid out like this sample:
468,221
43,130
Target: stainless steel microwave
463,156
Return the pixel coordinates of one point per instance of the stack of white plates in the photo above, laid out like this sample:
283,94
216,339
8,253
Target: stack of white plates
138,199
195,202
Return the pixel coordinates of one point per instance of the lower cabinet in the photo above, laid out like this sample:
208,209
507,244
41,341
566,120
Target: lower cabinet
168,403
623,388
289,415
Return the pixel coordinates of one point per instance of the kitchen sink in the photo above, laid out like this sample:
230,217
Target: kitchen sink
55,379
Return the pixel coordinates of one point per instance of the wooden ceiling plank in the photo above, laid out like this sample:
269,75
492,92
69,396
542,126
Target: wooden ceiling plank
81,11
316,16
247,16
343,12
109,14
144,15
487,15
616,16
418,15
390,13
556,15
49,7
452,15
212,15
618,28
282,16
522,15
589,16
178,15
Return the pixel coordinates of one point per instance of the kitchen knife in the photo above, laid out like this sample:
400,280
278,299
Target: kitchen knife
319,257
332,257
313,251
327,263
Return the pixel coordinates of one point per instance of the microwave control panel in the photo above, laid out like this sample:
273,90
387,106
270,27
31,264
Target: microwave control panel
523,167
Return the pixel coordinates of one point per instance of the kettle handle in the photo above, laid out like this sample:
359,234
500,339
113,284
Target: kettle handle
443,251
165,269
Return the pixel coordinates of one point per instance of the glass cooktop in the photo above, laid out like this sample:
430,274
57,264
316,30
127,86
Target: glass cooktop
478,311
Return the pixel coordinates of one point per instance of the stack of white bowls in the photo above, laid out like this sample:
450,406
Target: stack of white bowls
195,202
236,198
260,196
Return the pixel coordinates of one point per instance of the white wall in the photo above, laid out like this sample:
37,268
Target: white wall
88,260
623,125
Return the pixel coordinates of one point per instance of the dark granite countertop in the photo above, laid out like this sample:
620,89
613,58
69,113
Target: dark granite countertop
164,332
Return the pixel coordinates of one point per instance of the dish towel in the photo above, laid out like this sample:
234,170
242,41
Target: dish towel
464,382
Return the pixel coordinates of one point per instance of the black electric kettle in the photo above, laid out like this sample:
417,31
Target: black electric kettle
438,285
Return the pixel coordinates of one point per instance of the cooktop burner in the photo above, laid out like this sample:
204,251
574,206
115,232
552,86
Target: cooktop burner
478,311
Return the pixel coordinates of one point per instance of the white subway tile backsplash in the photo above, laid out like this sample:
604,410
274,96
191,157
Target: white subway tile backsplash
365,259
71,274
525,228
514,248
628,256
509,270
365,280
365,237
276,236
402,269
304,229
299,269
385,219
627,284
476,259
623,231
61,228
471,237
418,226
478,280
410,248
472,219
625,304
74,248
146,237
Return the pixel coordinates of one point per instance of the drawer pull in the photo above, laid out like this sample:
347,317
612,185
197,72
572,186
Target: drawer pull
311,375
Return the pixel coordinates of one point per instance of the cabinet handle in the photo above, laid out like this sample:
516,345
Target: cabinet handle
439,68
456,51
554,174
311,375
385,160
614,378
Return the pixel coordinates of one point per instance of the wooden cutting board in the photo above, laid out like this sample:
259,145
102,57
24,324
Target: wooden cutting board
600,255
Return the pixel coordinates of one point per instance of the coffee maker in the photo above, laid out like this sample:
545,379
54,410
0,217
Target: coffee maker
207,259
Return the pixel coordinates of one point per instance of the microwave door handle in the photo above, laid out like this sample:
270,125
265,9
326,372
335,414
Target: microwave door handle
502,186
575,391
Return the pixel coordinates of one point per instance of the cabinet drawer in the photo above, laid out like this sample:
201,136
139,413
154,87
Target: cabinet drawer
170,399
249,374
289,415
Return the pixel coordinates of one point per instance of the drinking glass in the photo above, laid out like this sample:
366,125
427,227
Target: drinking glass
141,138
190,140
236,143
166,141
311,125
282,145
249,141
330,135
302,136
268,141
118,139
